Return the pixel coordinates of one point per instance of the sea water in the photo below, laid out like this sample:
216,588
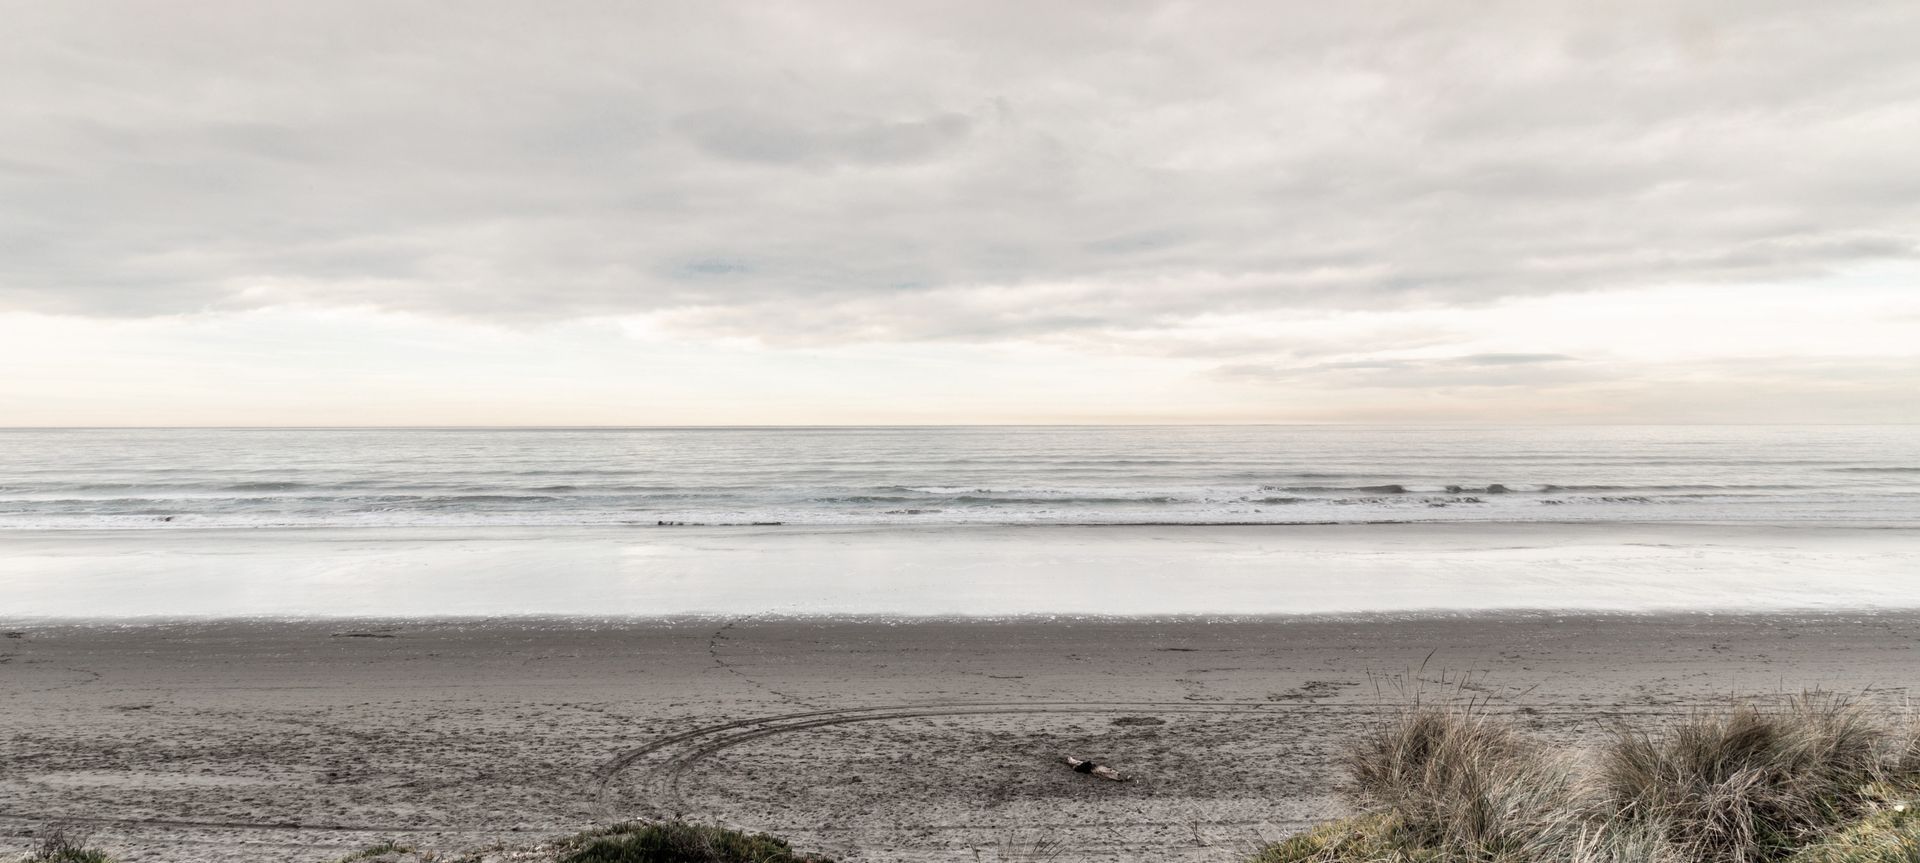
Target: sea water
240,478
109,524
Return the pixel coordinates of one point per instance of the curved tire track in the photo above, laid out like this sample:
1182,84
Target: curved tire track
659,783
680,753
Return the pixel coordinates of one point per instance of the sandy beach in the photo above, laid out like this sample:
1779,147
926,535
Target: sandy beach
869,739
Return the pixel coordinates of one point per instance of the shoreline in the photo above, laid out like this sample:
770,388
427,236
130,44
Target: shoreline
599,622
975,571
932,527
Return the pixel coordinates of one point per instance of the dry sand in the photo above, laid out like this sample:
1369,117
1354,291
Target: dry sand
872,740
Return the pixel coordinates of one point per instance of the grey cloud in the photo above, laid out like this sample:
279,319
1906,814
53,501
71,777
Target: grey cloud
1470,370
749,137
843,171
1512,359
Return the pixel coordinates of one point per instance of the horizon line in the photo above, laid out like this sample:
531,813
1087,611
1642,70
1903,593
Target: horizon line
817,426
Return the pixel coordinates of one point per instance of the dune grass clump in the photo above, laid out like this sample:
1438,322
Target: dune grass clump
1903,759
64,845
1368,838
1818,781
72,855
1748,786
1890,834
1459,781
677,842
373,852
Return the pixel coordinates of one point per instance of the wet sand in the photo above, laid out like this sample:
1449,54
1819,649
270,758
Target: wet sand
962,570
870,739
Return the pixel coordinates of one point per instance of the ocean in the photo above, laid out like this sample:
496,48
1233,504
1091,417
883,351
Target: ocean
176,479
977,521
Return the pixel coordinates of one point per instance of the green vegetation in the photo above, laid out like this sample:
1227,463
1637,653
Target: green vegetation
1463,781
1368,837
1889,835
1818,781
1748,786
679,843
72,855
62,844
374,851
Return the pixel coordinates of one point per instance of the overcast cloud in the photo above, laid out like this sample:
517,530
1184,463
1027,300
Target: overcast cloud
820,174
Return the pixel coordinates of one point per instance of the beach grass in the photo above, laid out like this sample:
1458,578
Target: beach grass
1818,780
679,842
72,855
1889,835
64,844
634,842
374,852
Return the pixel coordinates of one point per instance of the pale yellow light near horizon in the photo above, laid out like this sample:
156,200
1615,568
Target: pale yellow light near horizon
1843,350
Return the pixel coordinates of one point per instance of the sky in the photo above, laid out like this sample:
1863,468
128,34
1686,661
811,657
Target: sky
663,213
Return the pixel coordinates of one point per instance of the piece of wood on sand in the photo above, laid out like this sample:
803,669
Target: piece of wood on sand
1090,768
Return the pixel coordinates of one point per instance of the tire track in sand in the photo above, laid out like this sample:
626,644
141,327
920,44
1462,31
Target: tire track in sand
674,757
662,765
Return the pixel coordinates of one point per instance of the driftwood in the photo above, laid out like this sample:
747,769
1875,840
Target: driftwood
1090,768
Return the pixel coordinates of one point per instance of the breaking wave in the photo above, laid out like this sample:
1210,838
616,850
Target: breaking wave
234,478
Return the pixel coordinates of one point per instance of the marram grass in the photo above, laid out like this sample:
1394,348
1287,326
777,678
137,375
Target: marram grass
676,842
1820,780
1365,838
1890,834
